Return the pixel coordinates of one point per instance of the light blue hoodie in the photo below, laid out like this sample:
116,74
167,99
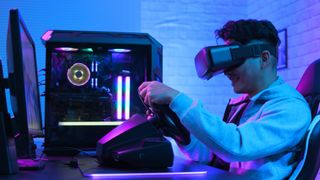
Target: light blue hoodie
263,145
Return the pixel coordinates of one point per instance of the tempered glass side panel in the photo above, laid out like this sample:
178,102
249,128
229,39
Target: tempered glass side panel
90,85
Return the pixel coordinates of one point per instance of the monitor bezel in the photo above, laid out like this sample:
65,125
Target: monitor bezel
16,81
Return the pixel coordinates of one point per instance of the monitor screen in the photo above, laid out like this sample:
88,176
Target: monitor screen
30,82
23,84
3,102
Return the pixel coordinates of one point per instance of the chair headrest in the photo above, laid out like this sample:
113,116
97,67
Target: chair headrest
309,83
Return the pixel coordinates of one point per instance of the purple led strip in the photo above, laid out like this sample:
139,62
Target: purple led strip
66,49
119,50
119,97
126,85
47,35
157,174
127,98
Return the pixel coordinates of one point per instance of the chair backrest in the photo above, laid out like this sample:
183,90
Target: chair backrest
309,86
308,167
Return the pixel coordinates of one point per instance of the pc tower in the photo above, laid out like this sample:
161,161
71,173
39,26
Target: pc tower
91,84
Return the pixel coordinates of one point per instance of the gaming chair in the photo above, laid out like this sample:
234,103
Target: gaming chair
309,87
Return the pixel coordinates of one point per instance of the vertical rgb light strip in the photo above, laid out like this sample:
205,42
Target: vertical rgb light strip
92,70
92,66
96,70
127,98
119,97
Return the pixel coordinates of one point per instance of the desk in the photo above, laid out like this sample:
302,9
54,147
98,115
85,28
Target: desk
57,168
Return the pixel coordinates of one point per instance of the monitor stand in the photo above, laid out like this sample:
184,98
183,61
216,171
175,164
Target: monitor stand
30,163
8,157
8,162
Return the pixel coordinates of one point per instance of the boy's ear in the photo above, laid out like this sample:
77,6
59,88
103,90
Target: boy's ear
265,59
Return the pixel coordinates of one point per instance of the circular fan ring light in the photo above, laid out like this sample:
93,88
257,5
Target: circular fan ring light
78,74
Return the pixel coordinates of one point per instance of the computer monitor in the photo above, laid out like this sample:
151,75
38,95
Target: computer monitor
8,162
23,84
3,102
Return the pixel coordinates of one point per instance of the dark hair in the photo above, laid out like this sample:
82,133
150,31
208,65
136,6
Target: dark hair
244,31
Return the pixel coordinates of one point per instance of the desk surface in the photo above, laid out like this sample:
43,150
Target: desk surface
58,168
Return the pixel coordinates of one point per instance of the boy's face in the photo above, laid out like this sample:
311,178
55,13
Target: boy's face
246,77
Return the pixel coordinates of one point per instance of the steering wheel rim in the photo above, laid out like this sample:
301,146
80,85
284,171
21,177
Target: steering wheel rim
171,125
168,122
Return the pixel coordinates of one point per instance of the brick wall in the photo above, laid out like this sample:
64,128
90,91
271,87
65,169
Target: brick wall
301,18
183,27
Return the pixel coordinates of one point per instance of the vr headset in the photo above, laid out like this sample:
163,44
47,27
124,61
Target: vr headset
213,60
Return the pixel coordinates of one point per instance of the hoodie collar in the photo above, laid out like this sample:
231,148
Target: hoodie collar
268,92
265,94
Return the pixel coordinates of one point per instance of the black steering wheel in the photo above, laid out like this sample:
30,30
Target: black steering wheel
168,122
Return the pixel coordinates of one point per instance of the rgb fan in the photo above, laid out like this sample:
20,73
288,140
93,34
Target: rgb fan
78,74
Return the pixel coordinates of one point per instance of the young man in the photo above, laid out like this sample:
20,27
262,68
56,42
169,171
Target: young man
261,130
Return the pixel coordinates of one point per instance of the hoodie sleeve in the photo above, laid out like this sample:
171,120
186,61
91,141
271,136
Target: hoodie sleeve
277,126
196,151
